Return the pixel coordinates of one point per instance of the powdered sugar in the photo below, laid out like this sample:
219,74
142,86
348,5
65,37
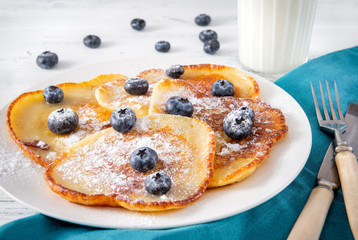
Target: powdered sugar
213,110
102,167
88,123
120,98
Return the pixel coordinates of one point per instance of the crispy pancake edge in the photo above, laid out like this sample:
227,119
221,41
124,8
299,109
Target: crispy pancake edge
213,69
249,168
99,80
114,201
242,173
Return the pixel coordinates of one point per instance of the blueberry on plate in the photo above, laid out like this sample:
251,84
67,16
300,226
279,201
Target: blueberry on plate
162,46
53,94
138,24
62,121
158,183
92,41
237,124
249,111
222,88
136,86
123,119
207,35
175,71
47,60
143,159
211,46
202,19
179,106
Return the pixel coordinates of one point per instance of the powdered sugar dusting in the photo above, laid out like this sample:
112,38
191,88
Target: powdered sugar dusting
89,123
119,97
212,110
103,166
12,160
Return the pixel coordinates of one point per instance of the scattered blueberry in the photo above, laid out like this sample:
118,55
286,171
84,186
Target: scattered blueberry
207,35
162,46
249,111
222,88
136,86
143,159
47,60
53,94
138,24
211,46
158,183
92,41
237,124
202,19
123,119
175,71
62,121
179,106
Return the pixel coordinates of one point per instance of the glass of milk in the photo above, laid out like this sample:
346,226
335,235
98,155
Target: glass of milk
274,35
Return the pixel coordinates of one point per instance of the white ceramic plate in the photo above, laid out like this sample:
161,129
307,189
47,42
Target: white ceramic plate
22,179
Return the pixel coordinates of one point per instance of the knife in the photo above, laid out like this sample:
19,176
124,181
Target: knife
310,222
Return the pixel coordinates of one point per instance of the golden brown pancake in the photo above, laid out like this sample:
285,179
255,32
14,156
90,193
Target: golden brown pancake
112,95
96,171
27,118
234,159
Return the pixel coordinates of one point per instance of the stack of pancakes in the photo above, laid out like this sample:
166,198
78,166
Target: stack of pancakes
91,164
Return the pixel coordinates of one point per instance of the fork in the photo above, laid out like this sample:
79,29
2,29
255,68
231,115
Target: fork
345,160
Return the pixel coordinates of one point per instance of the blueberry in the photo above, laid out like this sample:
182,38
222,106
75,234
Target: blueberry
123,119
62,121
249,111
179,106
202,20
237,124
53,94
162,46
222,88
211,46
47,60
92,41
143,159
175,71
138,24
207,35
136,86
158,183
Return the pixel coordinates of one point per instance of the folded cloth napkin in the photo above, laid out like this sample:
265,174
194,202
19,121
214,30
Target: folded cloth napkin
272,219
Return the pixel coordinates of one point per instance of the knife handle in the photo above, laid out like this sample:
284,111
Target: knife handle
310,222
347,167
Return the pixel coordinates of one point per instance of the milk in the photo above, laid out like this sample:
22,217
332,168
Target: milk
274,35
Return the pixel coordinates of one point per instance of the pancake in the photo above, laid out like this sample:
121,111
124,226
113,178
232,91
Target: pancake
96,171
27,118
112,95
234,159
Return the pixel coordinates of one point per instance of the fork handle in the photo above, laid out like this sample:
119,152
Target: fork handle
311,220
347,167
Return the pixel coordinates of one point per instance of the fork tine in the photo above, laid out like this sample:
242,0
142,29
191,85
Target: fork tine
330,103
337,100
323,102
318,112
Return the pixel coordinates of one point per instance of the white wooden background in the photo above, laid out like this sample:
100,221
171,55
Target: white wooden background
29,27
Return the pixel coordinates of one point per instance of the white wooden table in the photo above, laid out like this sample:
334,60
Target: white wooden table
29,27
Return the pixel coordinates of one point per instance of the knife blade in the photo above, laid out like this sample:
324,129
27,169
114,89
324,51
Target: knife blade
310,222
328,174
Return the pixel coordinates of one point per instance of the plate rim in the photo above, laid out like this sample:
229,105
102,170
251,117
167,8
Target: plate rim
258,78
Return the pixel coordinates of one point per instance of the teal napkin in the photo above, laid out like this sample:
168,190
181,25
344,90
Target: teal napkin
272,219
